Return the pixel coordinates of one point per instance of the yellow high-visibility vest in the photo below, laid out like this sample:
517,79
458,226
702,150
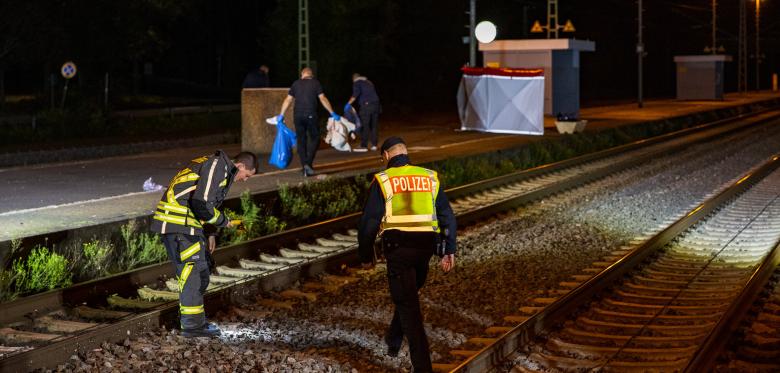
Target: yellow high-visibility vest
410,199
173,209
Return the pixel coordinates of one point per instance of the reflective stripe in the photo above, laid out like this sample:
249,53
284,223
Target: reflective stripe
208,182
191,310
434,190
413,229
410,218
180,220
185,274
169,218
388,193
223,183
170,207
417,224
216,216
186,254
185,191
190,176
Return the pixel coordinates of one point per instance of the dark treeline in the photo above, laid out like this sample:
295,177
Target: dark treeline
412,50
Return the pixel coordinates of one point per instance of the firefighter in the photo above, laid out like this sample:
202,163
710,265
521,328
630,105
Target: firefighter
186,214
408,209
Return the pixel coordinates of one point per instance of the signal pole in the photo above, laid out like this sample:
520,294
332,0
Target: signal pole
758,50
472,37
742,63
640,53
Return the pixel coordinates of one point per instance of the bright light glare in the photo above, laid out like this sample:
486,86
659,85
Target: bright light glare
485,32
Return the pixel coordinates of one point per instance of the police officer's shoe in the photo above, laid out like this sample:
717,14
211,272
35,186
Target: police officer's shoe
308,171
392,347
208,330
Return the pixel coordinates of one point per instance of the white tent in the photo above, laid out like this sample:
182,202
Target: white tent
502,100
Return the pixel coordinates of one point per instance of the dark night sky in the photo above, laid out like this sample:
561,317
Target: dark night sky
412,50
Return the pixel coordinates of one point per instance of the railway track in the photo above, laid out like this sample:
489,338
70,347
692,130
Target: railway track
756,348
41,330
666,305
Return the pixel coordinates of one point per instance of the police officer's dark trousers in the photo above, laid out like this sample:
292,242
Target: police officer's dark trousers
407,257
369,120
188,255
307,131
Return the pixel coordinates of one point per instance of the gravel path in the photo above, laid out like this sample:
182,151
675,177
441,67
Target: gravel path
502,265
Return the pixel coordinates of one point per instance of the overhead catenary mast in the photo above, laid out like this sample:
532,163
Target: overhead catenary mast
303,34
742,55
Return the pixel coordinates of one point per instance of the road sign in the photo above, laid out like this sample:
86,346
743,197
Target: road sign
68,70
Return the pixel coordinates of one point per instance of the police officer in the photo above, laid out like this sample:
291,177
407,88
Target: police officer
364,93
407,207
306,91
188,207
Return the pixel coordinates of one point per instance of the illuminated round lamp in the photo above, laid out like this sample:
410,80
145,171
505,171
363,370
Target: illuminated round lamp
485,32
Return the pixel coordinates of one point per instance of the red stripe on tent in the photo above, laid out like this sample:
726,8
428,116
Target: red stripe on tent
477,71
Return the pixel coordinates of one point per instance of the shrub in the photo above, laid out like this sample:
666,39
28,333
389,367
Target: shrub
7,291
140,248
96,260
42,270
253,225
321,200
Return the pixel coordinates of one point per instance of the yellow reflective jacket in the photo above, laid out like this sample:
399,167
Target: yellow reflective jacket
194,195
410,199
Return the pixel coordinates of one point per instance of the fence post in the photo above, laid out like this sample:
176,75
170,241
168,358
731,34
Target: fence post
105,96
2,88
52,82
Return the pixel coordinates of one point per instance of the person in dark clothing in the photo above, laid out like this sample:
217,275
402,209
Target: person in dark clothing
257,78
186,214
306,91
364,93
416,224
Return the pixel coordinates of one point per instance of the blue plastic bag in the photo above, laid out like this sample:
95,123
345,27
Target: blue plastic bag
281,153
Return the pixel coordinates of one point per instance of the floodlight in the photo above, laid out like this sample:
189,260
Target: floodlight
485,32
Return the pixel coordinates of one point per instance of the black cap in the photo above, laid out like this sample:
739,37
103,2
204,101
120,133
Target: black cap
391,142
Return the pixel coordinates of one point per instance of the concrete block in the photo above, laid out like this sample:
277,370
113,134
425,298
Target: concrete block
257,104
570,126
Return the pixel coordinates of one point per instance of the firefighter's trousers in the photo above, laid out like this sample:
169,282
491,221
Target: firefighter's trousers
188,256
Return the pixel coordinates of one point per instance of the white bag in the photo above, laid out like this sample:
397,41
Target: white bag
338,134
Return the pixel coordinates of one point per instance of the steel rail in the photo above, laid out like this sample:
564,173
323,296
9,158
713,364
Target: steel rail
705,357
491,356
